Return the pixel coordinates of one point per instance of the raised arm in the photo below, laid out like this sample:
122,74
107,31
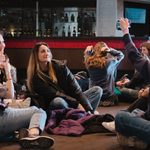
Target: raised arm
141,64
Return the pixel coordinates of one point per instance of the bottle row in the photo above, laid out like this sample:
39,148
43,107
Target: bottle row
66,31
67,17
68,22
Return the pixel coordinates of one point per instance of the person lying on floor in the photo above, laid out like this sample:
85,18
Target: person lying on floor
13,119
134,128
132,124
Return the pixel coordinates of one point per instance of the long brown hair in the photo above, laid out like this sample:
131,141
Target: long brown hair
34,67
98,57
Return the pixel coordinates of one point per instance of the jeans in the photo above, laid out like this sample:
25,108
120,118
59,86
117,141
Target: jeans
93,94
13,119
128,94
129,124
140,103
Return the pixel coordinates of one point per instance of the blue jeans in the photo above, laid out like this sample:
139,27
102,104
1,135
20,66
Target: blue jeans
13,119
130,125
93,94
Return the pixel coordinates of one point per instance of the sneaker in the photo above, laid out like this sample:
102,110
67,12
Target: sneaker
107,103
110,101
131,141
34,142
96,112
109,126
42,142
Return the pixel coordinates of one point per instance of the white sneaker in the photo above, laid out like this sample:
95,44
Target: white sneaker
109,126
96,112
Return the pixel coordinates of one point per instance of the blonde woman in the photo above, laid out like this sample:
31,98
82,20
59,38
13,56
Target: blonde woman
101,63
56,85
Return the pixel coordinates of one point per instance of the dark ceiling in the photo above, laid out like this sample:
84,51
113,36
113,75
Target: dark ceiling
47,3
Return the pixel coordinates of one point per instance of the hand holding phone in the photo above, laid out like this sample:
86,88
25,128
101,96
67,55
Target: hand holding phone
118,24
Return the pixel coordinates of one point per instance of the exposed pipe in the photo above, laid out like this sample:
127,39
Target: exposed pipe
37,19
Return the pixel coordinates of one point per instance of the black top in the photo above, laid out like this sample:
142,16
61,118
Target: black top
141,64
66,84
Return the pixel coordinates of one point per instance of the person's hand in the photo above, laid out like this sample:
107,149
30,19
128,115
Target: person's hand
89,50
121,83
105,49
124,25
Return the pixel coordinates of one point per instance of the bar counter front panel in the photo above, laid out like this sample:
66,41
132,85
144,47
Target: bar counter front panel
70,49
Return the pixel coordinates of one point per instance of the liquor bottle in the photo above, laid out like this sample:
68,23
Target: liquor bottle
63,32
79,21
72,18
66,17
79,32
56,31
74,32
93,17
69,31
48,32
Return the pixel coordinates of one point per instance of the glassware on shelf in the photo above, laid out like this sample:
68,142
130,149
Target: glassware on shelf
69,31
48,33
66,17
56,31
79,32
62,21
72,18
74,31
63,32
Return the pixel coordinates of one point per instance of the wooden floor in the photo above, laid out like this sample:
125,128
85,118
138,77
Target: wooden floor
98,141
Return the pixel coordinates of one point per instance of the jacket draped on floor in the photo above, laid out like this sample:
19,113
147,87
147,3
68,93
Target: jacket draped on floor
75,122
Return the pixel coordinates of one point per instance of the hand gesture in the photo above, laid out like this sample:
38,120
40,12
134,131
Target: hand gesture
124,25
89,50
122,82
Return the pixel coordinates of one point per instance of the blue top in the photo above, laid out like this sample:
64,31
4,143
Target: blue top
105,77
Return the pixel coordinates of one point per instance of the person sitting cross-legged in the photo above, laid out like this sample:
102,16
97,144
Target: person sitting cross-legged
30,121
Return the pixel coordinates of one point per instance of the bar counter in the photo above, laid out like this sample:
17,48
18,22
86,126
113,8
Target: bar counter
69,43
70,49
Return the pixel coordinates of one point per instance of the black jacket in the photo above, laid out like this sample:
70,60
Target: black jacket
136,82
66,84
141,64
